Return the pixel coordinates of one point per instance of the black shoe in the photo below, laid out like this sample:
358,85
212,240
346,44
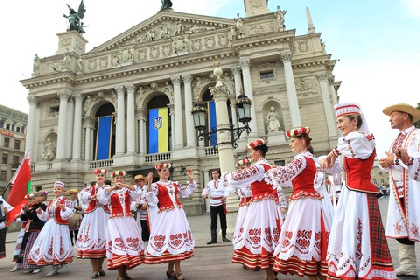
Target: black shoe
211,241
225,239
101,272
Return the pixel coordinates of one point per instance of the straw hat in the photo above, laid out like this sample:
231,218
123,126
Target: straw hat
71,191
137,177
403,107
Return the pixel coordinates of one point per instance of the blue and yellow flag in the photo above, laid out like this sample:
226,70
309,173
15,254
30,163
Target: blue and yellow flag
212,121
104,138
158,130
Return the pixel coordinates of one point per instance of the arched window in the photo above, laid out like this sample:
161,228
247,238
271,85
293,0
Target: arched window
105,132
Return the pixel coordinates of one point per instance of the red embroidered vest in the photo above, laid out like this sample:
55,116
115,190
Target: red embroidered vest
165,201
358,174
117,207
93,204
262,190
305,180
57,217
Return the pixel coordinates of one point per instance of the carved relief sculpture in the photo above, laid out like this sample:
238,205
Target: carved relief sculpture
49,150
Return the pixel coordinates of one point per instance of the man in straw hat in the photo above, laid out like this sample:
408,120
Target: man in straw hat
76,218
402,162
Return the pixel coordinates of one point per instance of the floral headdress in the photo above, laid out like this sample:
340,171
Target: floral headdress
162,165
29,196
59,184
298,131
100,171
243,162
118,173
345,109
256,143
45,193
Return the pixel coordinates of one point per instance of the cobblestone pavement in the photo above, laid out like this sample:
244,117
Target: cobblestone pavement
209,262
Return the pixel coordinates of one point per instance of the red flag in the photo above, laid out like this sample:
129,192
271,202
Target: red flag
20,182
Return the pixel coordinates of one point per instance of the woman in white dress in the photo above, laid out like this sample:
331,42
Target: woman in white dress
53,245
124,249
91,239
260,231
358,248
171,240
304,234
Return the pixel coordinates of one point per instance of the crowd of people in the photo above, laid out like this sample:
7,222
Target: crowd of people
331,228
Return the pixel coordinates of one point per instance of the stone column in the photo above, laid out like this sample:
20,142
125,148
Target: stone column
77,135
30,136
179,143
142,133
245,64
188,107
130,119
120,136
333,92
89,127
172,114
292,99
69,128
62,116
329,114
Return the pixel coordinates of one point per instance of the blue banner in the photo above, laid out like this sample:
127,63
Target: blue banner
104,138
212,121
158,130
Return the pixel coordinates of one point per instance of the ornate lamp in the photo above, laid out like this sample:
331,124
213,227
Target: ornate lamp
199,115
243,105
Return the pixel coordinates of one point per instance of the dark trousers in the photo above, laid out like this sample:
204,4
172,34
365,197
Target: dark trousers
73,235
214,210
3,233
144,230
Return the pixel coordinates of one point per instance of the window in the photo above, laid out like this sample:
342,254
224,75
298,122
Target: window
17,144
8,126
380,172
16,159
375,182
6,142
3,175
53,110
18,129
281,162
266,74
382,181
4,159
38,188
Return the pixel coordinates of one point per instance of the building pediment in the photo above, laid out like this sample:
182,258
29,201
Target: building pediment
166,25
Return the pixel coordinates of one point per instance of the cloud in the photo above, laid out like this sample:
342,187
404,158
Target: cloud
413,7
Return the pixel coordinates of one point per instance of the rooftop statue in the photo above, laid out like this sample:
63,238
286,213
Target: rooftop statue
166,4
75,17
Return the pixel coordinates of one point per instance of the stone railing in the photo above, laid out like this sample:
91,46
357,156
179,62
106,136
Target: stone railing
151,158
100,163
211,151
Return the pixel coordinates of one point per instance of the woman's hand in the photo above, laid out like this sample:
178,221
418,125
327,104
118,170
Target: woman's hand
190,175
39,210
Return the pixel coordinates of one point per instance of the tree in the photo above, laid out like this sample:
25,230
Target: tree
417,124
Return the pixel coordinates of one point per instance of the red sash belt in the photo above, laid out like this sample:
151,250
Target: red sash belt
222,198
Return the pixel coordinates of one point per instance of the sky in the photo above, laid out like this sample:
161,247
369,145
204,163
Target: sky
376,43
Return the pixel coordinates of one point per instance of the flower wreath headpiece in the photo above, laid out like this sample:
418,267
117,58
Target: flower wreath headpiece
118,173
163,165
256,143
41,193
243,162
29,196
99,171
298,131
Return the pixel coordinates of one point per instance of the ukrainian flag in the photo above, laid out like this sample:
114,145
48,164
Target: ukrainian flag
212,121
158,130
104,138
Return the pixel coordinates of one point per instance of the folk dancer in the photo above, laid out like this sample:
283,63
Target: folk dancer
91,238
255,245
77,216
53,245
303,243
357,248
215,191
124,250
402,163
171,240
17,259
4,208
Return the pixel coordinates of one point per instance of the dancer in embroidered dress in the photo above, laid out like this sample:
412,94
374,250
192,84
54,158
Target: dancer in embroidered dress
91,238
124,249
358,248
171,240
402,163
245,199
303,240
261,228
53,245
33,229
17,259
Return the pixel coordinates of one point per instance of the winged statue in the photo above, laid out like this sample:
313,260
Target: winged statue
75,18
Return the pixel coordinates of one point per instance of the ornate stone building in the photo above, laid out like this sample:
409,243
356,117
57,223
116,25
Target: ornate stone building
167,61
13,125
